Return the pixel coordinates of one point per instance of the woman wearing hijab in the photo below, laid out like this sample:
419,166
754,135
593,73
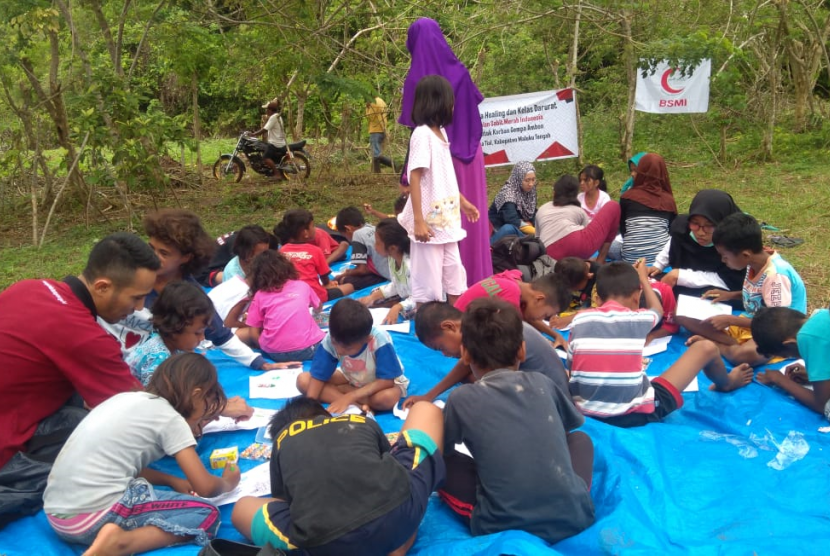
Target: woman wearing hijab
514,209
696,265
431,55
632,170
647,210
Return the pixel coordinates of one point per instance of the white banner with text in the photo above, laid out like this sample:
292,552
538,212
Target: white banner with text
531,126
666,91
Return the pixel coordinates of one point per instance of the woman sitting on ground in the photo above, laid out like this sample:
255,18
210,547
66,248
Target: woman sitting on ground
647,211
565,228
514,209
696,266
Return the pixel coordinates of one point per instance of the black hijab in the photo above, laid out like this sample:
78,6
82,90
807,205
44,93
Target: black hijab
685,252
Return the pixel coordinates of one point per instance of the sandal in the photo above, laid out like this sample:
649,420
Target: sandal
785,241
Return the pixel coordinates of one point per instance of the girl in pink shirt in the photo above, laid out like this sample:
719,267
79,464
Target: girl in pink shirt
432,215
278,317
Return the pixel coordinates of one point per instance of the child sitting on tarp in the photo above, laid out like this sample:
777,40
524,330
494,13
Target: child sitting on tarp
537,301
250,241
337,486
392,241
369,373
369,266
581,276
787,333
770,282
181,315
527,471
438,326
608,381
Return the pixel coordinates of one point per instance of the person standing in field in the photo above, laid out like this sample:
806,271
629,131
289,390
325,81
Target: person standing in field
376,114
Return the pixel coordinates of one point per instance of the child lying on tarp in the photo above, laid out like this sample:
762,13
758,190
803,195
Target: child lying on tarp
337,486
438,326
787,333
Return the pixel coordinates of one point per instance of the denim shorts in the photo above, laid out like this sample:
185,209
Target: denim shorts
140,506
304,354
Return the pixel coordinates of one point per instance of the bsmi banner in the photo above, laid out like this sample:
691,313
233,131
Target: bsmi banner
667,91
531,126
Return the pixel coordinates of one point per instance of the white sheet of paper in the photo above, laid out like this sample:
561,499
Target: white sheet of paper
402,414
256,482
701,309
783,370
461,448
379,313
657,345
260,418
274,385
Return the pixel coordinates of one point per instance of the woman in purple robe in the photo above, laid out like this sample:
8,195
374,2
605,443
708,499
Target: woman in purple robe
431,55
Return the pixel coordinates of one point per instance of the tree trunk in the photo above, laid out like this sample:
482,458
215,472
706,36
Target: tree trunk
631,77
197,124
572,78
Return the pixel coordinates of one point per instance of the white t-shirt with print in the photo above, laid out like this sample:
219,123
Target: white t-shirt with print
440,199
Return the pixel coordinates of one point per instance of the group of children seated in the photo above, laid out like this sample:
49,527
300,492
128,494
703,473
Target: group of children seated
338,486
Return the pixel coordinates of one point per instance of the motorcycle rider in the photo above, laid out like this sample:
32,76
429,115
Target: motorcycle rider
276,136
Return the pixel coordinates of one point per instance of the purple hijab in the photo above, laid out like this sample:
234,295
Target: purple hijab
431,55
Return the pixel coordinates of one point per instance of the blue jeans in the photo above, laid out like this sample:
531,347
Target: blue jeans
304,354
172,512
376,141
505,230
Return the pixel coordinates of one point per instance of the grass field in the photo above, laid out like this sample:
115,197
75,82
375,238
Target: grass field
790,193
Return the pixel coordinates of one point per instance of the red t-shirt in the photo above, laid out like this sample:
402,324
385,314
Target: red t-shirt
310,263
504,285
669,303
325,242
51,347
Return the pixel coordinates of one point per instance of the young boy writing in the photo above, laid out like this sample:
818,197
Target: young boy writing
787,333
606,355
545,490
770,282
438,326
537,301
337,486
370,372
370,267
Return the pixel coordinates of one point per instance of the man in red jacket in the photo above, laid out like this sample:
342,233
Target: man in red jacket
54,356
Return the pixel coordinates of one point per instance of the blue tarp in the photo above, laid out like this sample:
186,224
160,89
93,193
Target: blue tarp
717,477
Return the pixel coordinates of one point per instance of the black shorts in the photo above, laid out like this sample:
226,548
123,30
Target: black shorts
666,399
419,455
275,153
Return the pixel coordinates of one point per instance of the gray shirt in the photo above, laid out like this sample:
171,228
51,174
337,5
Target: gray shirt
110,447
554,223
363,251
542,358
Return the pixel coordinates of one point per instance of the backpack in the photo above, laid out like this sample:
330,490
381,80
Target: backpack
512,252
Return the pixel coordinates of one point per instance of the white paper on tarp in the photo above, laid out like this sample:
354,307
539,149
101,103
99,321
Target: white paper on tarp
657,345
531,126
260,418
379,313
402,414
274,385
256,482
699,308
667,91
783,370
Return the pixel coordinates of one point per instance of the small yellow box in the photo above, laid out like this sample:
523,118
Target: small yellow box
220,457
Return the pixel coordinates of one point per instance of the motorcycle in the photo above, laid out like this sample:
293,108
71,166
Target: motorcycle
293,166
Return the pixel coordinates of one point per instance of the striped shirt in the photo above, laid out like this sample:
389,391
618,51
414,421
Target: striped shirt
606,360
644,238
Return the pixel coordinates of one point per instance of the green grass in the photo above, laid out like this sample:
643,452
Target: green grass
790,193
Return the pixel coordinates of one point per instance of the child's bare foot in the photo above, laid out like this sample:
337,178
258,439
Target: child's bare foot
695,338
738,377
108,542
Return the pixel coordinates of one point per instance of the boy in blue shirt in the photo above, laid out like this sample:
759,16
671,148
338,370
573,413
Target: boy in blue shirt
788,333
770,282
370,373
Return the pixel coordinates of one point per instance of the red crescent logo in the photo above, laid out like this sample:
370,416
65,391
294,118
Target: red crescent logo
664,82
